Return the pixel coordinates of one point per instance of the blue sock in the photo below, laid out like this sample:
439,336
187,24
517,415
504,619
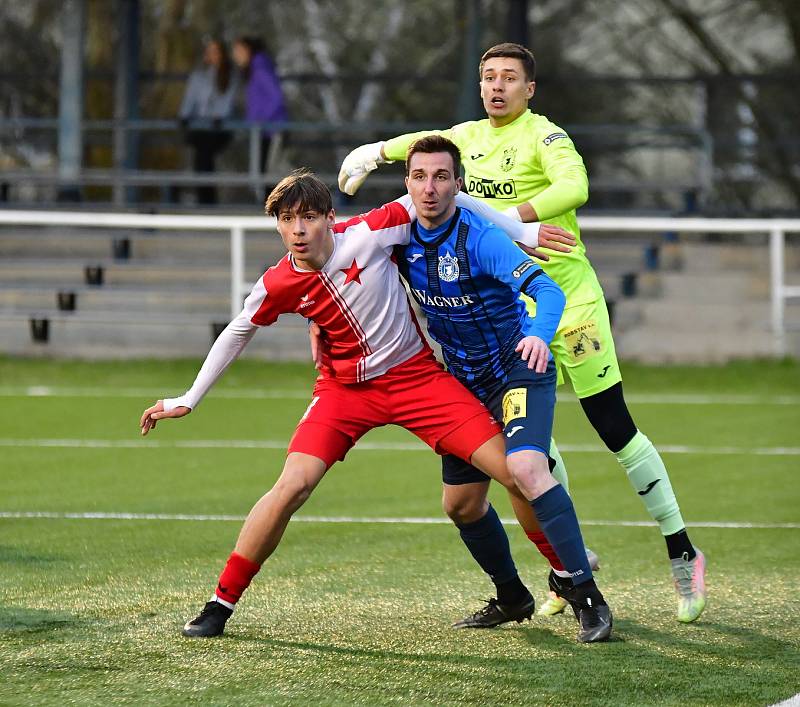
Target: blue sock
487,541
558,521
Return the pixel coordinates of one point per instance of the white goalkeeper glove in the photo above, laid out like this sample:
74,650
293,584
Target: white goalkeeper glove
357,166
513,213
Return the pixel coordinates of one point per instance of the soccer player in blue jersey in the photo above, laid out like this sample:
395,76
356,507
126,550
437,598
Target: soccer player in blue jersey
527,167
466,276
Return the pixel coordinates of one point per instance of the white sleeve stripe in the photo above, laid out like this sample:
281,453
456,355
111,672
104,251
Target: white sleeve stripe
255,300
341,303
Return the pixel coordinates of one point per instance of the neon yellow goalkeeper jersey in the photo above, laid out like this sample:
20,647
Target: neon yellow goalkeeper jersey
529,160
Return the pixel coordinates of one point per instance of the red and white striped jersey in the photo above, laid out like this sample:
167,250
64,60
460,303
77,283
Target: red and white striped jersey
357,298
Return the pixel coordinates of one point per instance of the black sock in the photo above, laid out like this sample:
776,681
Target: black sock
589,590
512,591
678,545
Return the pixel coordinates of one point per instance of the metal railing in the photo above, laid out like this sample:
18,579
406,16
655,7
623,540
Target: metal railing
236,226
347,135
776,229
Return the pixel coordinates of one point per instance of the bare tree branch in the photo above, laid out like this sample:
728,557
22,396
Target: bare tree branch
371,91
790,10
727,67
320,48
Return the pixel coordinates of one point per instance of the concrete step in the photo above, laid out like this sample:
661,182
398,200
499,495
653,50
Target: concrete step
171,245
618,254
625,313
681,332
286,340
705,316
55,274
648,344
750,254
34,243
126,300
616,286
718,287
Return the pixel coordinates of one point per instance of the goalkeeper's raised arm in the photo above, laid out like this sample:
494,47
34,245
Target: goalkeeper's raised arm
365,159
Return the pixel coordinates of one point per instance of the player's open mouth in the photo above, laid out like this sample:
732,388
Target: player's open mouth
497,101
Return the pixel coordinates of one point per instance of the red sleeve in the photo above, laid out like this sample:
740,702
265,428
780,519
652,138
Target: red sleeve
387,216
264,304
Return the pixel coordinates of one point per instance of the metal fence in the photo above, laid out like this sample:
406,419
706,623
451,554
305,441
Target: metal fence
320,145
236,226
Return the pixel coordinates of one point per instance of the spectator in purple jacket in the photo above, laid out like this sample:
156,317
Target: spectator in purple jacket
264,100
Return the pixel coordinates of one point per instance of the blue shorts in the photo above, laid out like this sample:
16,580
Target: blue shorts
525,404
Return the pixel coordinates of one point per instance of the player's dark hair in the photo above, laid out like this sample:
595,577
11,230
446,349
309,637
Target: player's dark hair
435,143
511,51
300,188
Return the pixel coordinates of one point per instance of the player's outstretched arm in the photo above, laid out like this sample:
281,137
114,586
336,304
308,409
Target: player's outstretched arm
358,164
226,349
156,412
529,236
365,159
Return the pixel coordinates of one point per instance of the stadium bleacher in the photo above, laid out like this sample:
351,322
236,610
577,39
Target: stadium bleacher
166,294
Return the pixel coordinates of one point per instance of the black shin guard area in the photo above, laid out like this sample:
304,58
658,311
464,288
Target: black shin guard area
512,591
609,416
679,545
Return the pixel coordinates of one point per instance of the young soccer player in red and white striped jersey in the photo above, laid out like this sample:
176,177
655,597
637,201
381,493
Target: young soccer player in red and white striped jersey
377,370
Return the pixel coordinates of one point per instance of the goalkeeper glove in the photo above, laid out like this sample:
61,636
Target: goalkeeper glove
358,164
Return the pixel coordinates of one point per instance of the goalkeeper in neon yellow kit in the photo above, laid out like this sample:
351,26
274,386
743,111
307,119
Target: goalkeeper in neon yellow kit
527,167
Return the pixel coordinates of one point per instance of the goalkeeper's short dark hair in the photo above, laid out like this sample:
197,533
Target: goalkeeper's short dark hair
512,51
435,143
300,188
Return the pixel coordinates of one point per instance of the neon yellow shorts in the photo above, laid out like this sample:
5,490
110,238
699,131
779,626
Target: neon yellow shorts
583,348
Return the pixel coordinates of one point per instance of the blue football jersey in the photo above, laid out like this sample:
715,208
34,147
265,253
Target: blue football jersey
466,276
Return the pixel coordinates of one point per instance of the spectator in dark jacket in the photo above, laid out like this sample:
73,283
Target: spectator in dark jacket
207,101
264,100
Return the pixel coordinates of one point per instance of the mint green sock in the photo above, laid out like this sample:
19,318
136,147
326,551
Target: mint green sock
559,471
649,478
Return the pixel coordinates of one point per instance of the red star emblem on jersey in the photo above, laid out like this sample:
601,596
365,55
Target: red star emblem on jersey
352,273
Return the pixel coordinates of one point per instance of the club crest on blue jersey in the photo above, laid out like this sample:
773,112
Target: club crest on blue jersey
448,268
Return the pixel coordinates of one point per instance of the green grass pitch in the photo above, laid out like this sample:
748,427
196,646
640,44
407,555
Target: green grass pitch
360,613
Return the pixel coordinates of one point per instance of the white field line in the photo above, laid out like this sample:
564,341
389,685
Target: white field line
46,391
138,443
363,520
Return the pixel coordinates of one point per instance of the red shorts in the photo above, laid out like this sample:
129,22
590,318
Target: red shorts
418,395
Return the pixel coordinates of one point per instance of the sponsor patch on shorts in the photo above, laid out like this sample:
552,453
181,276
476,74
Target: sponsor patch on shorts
515,404
583,340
